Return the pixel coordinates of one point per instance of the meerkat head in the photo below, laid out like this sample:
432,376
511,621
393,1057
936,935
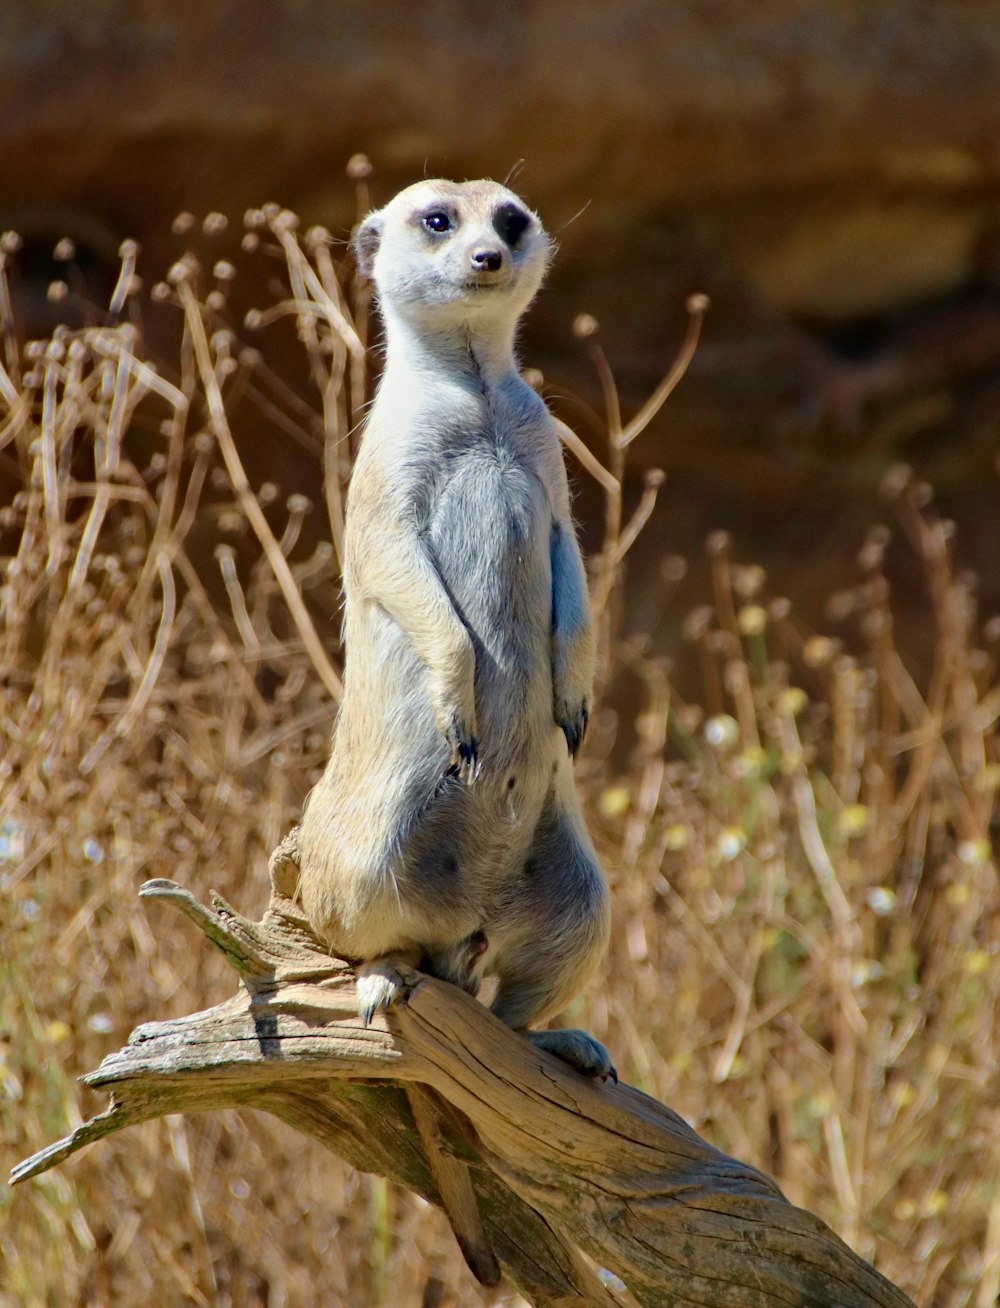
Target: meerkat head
454,252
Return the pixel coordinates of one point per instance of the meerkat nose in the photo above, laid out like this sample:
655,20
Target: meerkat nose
486,260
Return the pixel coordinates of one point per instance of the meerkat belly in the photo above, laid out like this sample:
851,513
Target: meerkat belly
490,534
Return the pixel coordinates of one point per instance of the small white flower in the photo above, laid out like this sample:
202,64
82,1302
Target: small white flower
881,900
722,731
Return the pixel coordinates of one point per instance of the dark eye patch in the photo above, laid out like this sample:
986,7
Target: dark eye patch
510,223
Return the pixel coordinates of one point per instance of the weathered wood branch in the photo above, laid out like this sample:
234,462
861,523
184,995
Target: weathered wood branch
557,1164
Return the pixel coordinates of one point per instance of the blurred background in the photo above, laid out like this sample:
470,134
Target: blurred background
827,172
792,777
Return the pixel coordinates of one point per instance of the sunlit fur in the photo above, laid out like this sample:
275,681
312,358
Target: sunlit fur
466,625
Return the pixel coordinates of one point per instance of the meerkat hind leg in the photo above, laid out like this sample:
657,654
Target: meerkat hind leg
564,935
459,964
517,1004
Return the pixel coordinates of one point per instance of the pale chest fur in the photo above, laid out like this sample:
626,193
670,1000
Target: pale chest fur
466,466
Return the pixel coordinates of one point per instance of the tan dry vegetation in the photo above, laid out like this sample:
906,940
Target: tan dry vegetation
804,876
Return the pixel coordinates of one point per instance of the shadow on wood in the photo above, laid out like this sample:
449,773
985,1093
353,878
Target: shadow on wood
532,1162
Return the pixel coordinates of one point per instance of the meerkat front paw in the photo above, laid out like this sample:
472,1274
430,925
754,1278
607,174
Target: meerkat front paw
572,685
573,718
452,689
464,749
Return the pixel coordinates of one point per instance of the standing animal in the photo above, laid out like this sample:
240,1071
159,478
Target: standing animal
446,833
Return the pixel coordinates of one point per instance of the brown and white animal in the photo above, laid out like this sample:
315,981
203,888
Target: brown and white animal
446,833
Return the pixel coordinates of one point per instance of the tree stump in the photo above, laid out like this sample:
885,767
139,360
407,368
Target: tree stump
441,1097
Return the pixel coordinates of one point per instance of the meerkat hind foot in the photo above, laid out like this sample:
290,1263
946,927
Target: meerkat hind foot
380,984
578,1049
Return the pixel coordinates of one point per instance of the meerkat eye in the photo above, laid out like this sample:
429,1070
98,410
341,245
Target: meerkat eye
437,221
510,222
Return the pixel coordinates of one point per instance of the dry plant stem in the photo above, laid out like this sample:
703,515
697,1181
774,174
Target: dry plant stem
248,501
586,459
306,283
617,542
607,566
329,379
697,306
644,511
12,348
132,380
555,1161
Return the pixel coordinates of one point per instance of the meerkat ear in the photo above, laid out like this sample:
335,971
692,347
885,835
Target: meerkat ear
365,242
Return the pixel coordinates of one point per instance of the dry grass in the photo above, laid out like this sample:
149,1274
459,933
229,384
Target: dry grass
805,883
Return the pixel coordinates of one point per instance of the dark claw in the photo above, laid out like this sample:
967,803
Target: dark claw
367,1015
464,761
575,732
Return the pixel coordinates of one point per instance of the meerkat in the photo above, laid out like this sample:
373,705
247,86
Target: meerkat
446,833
